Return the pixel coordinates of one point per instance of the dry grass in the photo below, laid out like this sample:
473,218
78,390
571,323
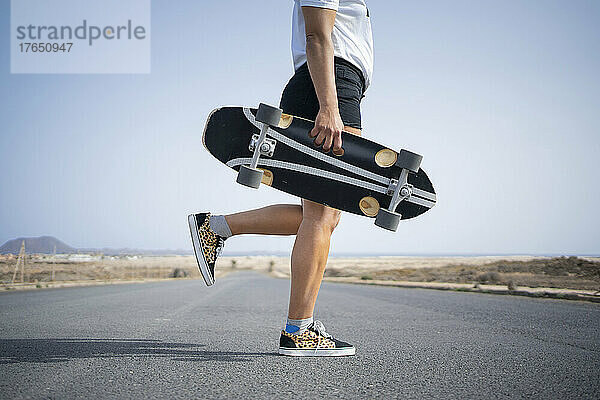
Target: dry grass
561,272
39,269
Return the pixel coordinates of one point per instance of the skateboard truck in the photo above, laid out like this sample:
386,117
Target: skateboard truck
249,175
267,148
399,190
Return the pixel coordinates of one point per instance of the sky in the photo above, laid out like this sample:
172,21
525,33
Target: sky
501,99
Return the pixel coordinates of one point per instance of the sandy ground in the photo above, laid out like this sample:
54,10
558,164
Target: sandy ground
573,273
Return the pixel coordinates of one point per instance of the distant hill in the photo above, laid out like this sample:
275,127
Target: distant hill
42,244
45,245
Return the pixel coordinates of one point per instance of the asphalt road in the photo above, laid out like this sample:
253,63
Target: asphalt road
184,340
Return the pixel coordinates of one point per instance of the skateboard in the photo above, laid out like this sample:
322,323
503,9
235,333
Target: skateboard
267,146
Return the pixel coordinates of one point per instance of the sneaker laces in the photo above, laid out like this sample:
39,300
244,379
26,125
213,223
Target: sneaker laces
220,245
319,328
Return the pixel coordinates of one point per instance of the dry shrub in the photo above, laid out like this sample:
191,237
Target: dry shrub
333,272
179,273
489,277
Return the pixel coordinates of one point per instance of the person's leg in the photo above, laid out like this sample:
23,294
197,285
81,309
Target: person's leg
309,257
310,253
279,219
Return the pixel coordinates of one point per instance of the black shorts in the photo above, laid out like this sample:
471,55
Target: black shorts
299,97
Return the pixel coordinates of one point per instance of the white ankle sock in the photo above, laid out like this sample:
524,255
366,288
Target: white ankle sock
297,326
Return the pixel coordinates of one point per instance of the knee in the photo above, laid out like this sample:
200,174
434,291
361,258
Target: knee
327,220
334,220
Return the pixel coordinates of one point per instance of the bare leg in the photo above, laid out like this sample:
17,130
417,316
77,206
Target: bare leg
310,253
309,257
313,224
279,219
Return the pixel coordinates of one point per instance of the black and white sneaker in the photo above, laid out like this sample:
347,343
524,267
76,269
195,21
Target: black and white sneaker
207,245
314,341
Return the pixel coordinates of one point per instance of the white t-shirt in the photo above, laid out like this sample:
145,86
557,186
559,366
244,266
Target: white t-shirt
352,37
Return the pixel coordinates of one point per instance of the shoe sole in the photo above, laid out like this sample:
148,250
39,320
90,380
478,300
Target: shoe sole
350,351
200,259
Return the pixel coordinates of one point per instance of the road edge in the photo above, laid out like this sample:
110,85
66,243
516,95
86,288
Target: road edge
552,293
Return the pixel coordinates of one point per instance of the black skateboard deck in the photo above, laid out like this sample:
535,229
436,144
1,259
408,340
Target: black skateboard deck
360,181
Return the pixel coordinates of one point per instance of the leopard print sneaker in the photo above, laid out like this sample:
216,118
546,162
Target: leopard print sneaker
314,341
207,245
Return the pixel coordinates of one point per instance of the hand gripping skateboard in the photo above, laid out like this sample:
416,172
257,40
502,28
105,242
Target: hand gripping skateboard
266,146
